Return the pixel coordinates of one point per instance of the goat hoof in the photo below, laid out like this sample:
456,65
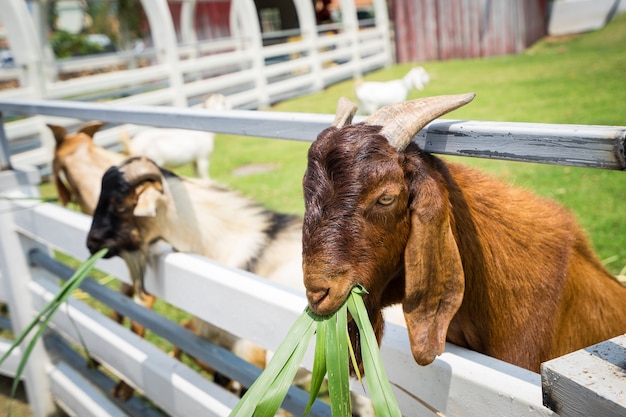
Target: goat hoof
122,391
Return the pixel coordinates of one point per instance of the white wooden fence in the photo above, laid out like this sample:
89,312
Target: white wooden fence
182,73
458,383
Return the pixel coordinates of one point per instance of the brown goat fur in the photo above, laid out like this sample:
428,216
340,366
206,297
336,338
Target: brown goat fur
473,260
77,162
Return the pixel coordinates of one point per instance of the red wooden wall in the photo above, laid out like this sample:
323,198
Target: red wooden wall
427,30
212,18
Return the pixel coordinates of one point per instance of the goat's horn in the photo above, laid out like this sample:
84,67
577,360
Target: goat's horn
402,121
345,112
139,169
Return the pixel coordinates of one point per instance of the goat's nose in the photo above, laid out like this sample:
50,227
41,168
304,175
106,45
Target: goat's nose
95,242
317,296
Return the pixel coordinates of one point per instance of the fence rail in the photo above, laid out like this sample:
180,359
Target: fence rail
252,75
459,382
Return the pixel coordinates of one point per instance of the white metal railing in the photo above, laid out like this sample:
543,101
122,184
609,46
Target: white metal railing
460,382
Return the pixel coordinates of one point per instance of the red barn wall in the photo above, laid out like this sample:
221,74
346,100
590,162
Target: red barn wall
427,30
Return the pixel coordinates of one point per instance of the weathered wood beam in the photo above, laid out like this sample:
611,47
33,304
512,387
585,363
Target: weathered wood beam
588,382
562,144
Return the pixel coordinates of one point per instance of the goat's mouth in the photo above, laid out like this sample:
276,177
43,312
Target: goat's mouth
325,301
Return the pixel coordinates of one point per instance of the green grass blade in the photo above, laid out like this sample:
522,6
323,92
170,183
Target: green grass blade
304,325
46,314
80,273
319,365
337,364
381,394
355,365
277,391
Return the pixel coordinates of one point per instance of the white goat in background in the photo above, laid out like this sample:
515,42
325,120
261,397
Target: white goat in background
177,147
372,95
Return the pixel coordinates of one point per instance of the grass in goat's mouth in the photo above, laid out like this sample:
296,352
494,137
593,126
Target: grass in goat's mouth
332,353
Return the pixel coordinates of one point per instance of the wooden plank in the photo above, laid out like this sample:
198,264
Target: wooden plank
575,145
75,394
588,382
456,384
218,358
172,385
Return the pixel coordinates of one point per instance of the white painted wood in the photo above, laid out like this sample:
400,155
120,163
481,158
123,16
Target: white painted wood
24,44
164,37
576,145
76,396
568,17
9,366
588,382
461,382
15,278
169,383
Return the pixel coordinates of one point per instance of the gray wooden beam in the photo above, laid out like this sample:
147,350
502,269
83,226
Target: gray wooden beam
562,144
588,382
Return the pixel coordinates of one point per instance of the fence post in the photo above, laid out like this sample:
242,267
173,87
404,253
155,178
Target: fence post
164,35
15,276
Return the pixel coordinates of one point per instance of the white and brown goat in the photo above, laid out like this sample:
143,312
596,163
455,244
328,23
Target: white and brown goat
473,260
142,203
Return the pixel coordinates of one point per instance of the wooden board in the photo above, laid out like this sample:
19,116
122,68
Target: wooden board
588,382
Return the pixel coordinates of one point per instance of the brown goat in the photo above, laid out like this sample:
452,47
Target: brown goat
473,260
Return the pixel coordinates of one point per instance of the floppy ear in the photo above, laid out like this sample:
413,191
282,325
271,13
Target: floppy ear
147,202
434,276
62,191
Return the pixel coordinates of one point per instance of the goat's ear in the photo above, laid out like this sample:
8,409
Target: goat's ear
147,201
58,132
345,112
90,128
435,281
62,191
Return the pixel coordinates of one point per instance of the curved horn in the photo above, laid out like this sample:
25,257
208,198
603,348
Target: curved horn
402,121
139,169
345,112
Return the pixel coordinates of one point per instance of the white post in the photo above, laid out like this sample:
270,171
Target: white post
381,17
15,276
351,27
24,44
164,36
187,30
308,28
245,24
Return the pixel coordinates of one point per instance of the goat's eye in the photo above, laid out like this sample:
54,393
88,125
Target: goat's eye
385,199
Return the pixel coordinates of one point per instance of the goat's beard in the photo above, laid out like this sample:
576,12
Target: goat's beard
136,263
